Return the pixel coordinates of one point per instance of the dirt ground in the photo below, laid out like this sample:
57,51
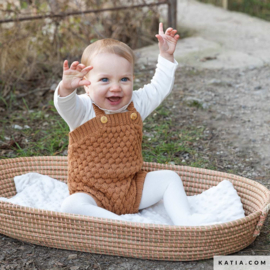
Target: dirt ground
232,105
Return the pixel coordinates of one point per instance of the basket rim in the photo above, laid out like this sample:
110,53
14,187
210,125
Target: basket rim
131,224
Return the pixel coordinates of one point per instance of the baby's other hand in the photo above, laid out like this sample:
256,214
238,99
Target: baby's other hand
73,77
167,41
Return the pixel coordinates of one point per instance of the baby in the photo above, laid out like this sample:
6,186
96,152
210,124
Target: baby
105,176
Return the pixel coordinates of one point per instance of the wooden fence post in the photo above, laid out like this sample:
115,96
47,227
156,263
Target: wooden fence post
225,4
172,14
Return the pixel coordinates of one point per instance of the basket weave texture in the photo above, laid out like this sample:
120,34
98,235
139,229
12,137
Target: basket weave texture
132,239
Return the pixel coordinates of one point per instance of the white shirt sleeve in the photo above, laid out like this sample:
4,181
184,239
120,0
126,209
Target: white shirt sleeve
74,109
148,98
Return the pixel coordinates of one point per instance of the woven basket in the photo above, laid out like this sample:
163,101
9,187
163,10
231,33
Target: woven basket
131,239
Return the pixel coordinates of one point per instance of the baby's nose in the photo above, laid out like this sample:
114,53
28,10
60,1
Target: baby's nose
115,88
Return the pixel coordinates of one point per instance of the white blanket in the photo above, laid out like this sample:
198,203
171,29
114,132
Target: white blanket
43,192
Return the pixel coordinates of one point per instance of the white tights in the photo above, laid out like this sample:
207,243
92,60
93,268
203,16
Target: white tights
165,184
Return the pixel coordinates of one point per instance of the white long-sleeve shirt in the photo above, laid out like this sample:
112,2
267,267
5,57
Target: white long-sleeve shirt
78,109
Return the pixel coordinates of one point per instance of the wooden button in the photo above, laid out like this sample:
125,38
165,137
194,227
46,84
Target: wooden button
103,119
133,116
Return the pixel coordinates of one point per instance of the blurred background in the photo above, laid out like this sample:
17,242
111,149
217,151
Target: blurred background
32,51
257,8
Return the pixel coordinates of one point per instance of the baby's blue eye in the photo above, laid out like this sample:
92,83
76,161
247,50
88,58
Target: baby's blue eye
107,79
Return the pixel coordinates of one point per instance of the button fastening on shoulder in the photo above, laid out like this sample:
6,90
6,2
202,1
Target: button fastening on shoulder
104,119
133,116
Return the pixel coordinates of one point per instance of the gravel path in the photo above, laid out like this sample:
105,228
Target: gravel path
237,105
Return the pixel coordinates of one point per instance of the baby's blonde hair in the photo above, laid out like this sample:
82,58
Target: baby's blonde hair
107,45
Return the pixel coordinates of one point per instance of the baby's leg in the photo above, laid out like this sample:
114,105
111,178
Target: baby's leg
167,185
83,204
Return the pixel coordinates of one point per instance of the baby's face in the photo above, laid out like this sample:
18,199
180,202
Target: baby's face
111,81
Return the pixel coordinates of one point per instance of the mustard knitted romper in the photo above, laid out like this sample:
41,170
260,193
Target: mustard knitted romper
105,160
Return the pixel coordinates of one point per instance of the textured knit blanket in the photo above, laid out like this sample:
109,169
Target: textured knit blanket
43,192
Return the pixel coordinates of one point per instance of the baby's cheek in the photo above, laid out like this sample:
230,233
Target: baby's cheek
98,92
129,91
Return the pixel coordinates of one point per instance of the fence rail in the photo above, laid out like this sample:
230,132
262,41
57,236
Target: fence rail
172,13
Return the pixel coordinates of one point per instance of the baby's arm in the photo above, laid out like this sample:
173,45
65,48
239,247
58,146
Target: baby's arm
148,98
73,108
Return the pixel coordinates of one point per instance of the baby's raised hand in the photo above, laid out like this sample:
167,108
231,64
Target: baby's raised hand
167,41
74,76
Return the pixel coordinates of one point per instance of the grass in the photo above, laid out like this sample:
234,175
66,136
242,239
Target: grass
47,134
196,104
257,8
163,141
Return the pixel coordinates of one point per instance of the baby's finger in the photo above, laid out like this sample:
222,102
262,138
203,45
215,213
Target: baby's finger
74,65
65,65
168,31
160,28
80,67
86,70
84,82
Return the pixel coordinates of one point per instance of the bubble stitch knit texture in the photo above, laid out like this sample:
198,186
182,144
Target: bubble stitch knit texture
105,160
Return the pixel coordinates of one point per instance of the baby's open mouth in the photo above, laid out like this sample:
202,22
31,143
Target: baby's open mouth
114,98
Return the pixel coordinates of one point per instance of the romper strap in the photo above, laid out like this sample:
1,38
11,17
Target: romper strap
98,111
131,106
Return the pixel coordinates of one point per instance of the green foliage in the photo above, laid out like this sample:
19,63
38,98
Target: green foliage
196,104
24,4
257,8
